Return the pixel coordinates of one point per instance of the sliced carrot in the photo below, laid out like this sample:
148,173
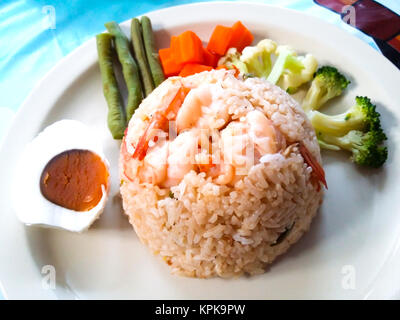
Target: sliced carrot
220,39
210,59
187,48
193,68
169,63
241,37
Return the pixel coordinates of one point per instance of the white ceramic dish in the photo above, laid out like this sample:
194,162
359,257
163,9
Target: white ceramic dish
351,251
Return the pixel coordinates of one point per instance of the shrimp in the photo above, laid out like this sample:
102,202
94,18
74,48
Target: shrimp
153,169
245,142
181,157
160,121
267,138
199,110
318,173
191,109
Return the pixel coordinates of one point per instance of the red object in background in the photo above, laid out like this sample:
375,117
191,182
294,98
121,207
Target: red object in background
335,5
395,43
371,17
375,20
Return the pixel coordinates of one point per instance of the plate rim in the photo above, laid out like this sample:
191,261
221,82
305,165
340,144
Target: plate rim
88,56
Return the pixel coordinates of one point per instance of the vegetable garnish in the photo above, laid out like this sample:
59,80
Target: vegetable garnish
210,59
328,83
318,172
129,68
357,130
116,118
220,40
159,121
151,53
140,56
241,37
168,62
187,48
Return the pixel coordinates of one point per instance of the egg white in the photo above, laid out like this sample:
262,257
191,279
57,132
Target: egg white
31,207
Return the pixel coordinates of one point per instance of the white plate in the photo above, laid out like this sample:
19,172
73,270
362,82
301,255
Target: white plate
351,251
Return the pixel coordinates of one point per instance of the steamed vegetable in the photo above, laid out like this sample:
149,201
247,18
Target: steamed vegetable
291,71
232,60
140,56
168,62
366,147
357,130
241,37
258,58
151,53
187,48
210,59
361,116
328,83
129,68
116,118
220,40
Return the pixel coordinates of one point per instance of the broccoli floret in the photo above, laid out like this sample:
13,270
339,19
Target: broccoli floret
258,58
328,83
362,116
366,148
291,71
232,59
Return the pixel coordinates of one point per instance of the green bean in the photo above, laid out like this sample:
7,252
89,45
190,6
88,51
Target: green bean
140,55
116,118
129,68
151,53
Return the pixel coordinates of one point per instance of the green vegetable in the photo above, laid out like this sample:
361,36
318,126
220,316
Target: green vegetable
290,70
151,53
362,116
366,148
231,59
258,58
140,56
358,130
116,118
328,83
129,68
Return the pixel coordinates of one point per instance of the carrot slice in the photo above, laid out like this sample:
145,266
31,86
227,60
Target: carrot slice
169,63
210,59
241,37
193,68
187,48
220,39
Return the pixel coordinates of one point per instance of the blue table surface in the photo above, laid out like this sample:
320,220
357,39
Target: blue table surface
36,34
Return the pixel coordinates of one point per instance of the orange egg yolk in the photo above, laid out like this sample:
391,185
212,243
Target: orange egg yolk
73,179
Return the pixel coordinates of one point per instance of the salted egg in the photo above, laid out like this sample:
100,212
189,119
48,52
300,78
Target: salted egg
62,178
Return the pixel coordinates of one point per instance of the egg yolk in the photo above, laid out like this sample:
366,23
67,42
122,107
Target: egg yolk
73,179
